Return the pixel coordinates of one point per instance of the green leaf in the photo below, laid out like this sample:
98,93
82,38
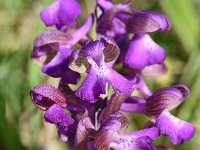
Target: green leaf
184,21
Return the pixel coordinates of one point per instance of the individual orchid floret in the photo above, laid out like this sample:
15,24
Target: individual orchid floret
100,74
49,99
62,14
50,40
157,107
46,42
60,43
57,115
45,95
108,136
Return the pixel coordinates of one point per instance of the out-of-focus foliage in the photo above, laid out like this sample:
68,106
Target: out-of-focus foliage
21,124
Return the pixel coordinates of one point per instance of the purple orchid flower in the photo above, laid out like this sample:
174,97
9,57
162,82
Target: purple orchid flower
157,107
51,100
47,42
100,73
108,136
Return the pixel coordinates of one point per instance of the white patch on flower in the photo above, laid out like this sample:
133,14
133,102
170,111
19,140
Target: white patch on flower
98,12
148,42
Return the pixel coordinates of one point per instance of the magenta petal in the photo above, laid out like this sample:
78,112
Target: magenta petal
57,115
108,137
141,85
68,12
62,13
82,31
119,82
95,83
143,143
111,51
183,89
163,99
150,132
58,66
106,134
118,27
134,105
143,51
93,49
161,19
105,22
46,43
179,131
82,133
45,95
92,87
49,15
147,21
71,77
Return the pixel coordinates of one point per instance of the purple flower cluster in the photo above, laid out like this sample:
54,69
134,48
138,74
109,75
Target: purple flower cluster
94,120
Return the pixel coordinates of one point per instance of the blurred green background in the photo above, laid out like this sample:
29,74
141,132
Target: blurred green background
21,124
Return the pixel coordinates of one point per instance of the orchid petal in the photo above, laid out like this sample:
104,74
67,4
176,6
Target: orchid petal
58,66
134,105
155,70
46,42
45,95
178,130
143,51
82,133
92,87
56,115
163,99
152,133
61,13
143,143
82,31
147,21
